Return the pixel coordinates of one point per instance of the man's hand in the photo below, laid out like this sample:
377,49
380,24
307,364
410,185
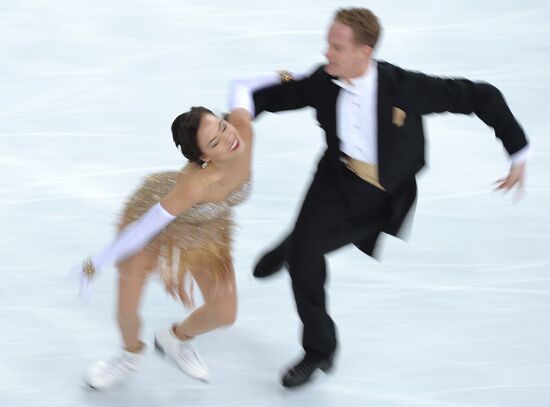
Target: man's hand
515,178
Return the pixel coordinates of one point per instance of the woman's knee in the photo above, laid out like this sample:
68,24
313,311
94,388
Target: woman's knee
227,317
225,309
138,266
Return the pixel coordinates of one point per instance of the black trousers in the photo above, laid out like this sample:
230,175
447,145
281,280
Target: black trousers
339,208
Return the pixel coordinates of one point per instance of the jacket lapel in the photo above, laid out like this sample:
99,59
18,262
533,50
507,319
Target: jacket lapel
384,116
326,114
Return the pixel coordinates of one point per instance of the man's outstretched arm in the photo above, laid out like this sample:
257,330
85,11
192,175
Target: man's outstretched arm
427,94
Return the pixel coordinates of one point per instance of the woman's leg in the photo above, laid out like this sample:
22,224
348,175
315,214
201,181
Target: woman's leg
219,309
132,276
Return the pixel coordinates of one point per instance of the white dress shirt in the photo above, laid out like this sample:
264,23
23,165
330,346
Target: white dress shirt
356,121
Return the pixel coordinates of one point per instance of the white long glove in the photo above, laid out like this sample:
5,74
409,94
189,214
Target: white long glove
241,90
131,240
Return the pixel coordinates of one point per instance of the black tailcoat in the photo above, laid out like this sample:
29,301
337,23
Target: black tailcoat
401,147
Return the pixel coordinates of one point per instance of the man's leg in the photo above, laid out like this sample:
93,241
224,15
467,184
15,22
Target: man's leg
333,215
274,260
321,225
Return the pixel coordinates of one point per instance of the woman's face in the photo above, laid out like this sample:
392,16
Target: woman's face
218,139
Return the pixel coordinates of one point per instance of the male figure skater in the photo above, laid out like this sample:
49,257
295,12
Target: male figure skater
371,112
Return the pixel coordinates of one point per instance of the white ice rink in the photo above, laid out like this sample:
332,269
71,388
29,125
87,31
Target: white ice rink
459,316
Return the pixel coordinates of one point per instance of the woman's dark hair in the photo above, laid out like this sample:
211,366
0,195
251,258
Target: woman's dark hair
184,132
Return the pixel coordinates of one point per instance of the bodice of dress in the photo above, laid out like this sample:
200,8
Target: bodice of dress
211,210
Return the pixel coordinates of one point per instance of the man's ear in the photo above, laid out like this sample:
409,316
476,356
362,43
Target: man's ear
366,50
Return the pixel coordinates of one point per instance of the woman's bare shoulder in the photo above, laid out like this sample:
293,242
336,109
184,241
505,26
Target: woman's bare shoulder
194,185
197,180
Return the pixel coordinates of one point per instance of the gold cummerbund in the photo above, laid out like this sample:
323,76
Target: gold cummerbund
365,171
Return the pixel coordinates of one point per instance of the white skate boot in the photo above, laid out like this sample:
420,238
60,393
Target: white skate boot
103,375
182,353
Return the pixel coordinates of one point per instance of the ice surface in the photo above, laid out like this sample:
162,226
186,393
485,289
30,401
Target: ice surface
457,317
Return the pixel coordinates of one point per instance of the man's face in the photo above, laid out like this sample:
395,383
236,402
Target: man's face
346,59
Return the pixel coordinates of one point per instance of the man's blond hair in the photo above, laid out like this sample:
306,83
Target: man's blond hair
364,24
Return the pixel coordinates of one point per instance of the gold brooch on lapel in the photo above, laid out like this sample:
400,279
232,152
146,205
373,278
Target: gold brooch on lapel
398,117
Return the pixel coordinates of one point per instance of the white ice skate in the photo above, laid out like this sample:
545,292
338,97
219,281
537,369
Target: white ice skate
182,353
103,375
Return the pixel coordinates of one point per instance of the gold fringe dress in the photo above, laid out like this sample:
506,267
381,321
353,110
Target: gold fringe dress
200,237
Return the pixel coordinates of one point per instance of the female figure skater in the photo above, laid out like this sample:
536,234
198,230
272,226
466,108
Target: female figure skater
180,223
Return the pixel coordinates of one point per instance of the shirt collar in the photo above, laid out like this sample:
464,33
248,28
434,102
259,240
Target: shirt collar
361,84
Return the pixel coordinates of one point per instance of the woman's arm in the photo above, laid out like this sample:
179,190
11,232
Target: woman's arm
279,91
240,118
186,193
240,95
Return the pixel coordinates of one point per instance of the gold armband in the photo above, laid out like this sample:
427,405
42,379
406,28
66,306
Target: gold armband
285,76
